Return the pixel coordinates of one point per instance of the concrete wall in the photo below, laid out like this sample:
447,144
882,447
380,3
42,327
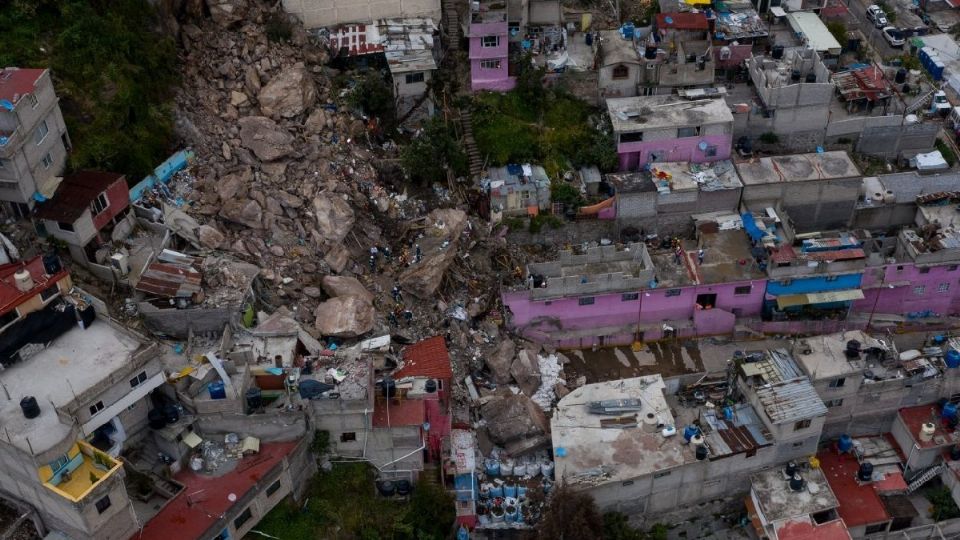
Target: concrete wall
669,215
178,322
402,88
83,230
571,233
271,426
892,140
815,205
320,13
626,87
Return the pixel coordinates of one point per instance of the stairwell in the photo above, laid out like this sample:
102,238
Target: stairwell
920,102
473,154
451,25
927,475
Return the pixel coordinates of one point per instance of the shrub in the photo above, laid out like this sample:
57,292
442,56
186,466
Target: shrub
427,158
947,152
769,138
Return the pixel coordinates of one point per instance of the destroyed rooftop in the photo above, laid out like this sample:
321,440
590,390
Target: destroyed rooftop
644,113
683,176
72,364
594,454
945,238
614,49
778,501
797,168
824,357
595,270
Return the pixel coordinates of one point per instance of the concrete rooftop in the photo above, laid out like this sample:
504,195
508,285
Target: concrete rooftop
644,113
826,358
797,168
74,363
771,490
594,454
727,258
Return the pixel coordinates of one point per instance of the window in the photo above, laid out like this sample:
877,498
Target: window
47,161
925,270
627,297
672,292
627,483
49,292
943,287
138,380
273,488
96,407
490,64
243,518
661,474
99,204
900,268
798,444
548,303
711,151
587,301
688,132
621,72
8,318
786,282
413,78
802,424
41,133
349,436
919,290
3,164
833,403
951,268
65,226
59,463
636,136
490,41
651,66
33,101
838,383
750,453
746,289
831,278
103,504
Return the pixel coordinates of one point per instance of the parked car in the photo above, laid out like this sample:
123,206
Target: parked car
893,36
877,16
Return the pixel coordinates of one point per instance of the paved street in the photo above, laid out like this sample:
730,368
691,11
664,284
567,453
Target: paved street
858,19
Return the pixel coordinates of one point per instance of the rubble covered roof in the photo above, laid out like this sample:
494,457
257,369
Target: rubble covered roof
614,49
169,280
407,43
740,24
776,501
797,168
18,82
75,194
744,432
642,113
864,83
427,358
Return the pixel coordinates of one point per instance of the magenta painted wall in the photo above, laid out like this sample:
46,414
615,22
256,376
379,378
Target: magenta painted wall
481,78
904,297
636,154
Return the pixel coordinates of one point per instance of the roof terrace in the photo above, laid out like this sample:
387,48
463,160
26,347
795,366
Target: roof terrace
797,168
596,270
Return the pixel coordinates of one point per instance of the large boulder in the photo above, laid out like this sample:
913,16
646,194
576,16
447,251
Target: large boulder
264,137
209,237
243,211
334,217
501,360
289,93
345,316
227,12
438,248
337,286
514,418
526,371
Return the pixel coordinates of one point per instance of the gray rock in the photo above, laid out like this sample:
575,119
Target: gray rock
227,12
264,137
514,418
252,79
345,316
317,121
289,93
312,292
500,361
243,211
289,200
209,236
337,286
423,279
334,217
526,371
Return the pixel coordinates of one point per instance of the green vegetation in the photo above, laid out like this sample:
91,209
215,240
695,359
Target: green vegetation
320,444
113,72
571,514
373,96
941,503
538,221
278,28
539,125
839,31
910,62
948,154
343,504
427,158
514,223
616,527
889,12
769,138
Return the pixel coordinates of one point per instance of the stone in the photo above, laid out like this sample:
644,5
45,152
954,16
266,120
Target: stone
500,361
264,137
225,151
526,371
289,93
243,211
345,316
231,185
277,251
423,279
312,292
317,121
209,237
337,286
238,99
227,12
251,79
337,258
514,418
560,390
289,200
334,217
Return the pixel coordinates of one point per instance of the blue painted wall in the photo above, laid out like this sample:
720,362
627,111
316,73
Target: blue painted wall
814,284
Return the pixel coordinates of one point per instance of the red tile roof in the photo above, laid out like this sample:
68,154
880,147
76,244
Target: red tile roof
15,83
427,358
804,529
206,498
75,194
914,417
389,413
859,504
11,296
682,21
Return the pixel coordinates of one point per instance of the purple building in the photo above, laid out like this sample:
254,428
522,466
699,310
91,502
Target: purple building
489,48
651,129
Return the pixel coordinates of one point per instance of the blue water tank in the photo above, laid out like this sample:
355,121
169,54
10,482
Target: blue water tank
949,411
689,432
728,413
953,358
217,391
845,444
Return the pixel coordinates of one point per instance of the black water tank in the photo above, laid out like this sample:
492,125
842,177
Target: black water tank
853,349
51,264
386,488
701,452
389,387
955,453
791,469
796,482
795,75
254,398
811,77
430,386
171,414
777,52
650,53
404,487
901,76
157,419
30,407
865,472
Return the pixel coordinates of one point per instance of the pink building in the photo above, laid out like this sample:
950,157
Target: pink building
489,50
652,129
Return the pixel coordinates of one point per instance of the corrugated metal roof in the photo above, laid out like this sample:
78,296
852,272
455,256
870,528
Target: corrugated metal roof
790,300
170,280
790,401
743,433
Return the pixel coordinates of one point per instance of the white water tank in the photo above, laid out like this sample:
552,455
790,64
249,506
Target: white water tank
650,423
119,262
23,280
696,440
926,431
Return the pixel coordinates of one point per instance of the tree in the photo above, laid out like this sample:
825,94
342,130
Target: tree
430,514
571,515
373,96
530,84
428,156
839,30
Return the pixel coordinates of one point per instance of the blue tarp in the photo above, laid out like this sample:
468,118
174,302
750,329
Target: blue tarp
161,174
751,226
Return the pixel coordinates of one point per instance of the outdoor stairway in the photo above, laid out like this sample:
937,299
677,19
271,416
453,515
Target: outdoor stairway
473,154
430,474
927,475
451,25
920,102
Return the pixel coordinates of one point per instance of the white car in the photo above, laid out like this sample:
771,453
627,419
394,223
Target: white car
893,36
877,16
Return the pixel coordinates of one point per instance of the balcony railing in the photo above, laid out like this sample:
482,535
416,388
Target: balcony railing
81,470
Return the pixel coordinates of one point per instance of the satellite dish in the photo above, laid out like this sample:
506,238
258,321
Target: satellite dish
668,20
232,497
702,146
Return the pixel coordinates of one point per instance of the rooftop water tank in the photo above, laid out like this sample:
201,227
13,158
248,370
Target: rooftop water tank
845,444
796,482
865,472
701,453
23,280
949,411
791,469
952,358
926,431
30,407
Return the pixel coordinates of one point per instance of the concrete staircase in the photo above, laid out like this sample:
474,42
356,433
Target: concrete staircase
920,102
451,25
470,145
927,475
